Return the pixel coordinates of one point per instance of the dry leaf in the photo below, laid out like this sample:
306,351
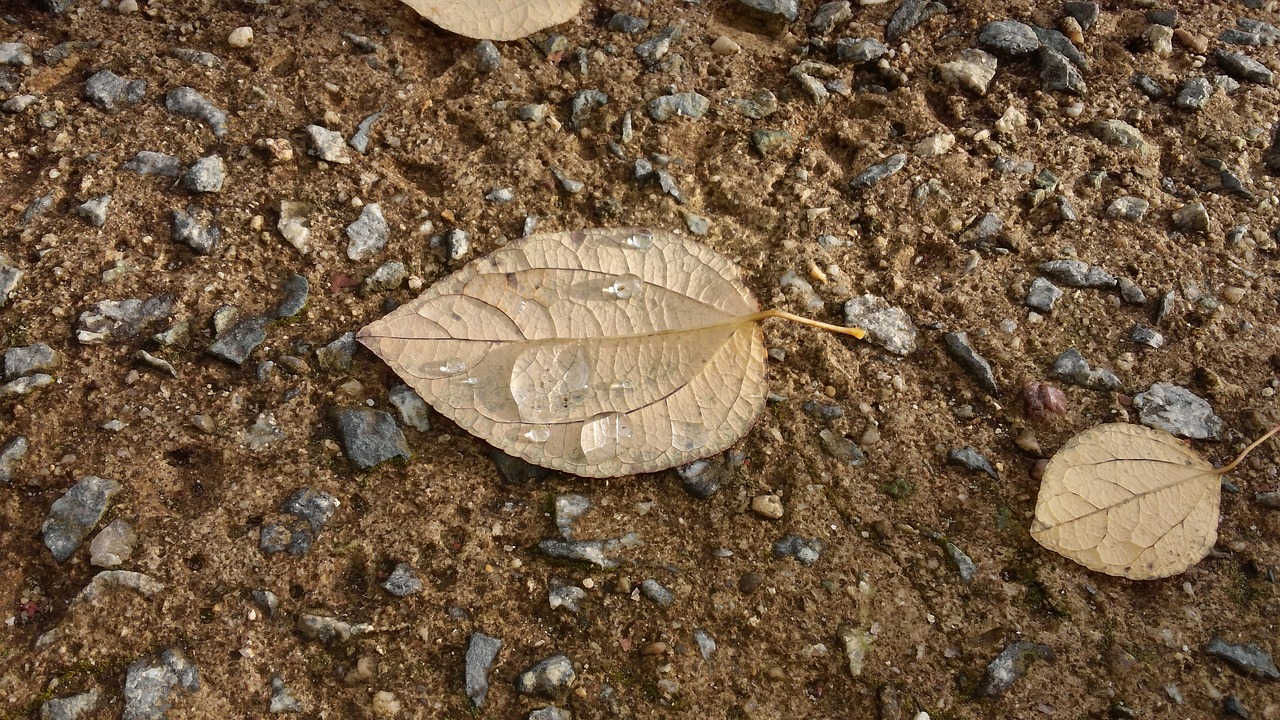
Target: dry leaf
1128,500
597,352
495,19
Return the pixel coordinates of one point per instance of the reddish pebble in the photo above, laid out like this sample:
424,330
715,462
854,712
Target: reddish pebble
1043,400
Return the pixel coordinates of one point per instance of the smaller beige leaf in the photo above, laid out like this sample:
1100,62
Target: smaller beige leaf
495,19
1128,500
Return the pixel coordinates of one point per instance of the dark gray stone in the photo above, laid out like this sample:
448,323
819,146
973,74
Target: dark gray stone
294,296
887,326
592,551
1085,13
1251,32
282,700
73,516
701,478
1244,68
549,677
1168,17
187,102
964,564
874,174
1177,410
197,57
149,683
154,163
685,104
314,506
654,590
550,712
411,408
109,92
963,351
1143,335
805,550
1042,295
370,437
860,50
482,652
368,234
1247,658
568,508
1058,74
1131,293
114,320
37,357
830,15
15,54
403,581
1195,94
18,103
236,344
1009,37
266,600
1010,665
95,210
336,356
1192,217
13,451
1148,86
1078,274
487,57
822,411
757,107
194,227
1056,41
205,175
25,386
629,24
971,459
293,535
75,707
657,47
569,597
360,140
910,15
580,107
1072,367
788,9
38,207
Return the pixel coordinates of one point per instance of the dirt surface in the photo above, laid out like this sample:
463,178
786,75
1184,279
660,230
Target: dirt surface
198,500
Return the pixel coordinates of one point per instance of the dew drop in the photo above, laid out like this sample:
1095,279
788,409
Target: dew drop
688,436
623,384
537,435
470,381
605,436
641,240
624,287
453,366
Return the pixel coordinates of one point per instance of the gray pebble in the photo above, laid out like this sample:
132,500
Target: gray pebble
109,92
829,15
187,102
822,411
482,652
18,103
293,297
1191,218
360,140
841,448
963,351
360,42
500,195
156,362
75,707
580,107
458,243
368,234
859,50
336,356
205,175
411,408
757,107
654,590
154,163
1072,367
788,9
1267,499
1251,32
112,320
569,185
95,210
592,551
811,86
282,700
883,170
328,145
403,581
15,54
1078,274
550,712
238,342
1128,207
36,208
1118,133
987,226
197,57
390,275
1051,39
1009,37
701,478
548,677
1042,295
964,564
1085,13
1165,306
696,224
552,43
1143,335
910,15
314,506
193,227
807,551
706,643
1248,658
629,24
971,459
1195,94
656,47
1148,86
330,630
685,104
370,437
1067,211
487,57
768,141
971,70
1131,293
569,597
73,516
25,386
294,536
568,508
1177,410
149,683
1244,68
1059,74
28,359
13,451
1010,665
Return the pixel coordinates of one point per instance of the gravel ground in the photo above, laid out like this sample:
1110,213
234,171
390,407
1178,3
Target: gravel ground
213,504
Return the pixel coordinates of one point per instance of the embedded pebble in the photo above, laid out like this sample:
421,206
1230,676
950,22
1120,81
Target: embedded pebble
1072,367
550,712
964,564
330,630
38,207
487,57
788,9
1009,37
963,351
657,47
860,50
701,478
971,459
295,224
910,15
294,293
360,139
1191,218
10,278
1042,295
841,448
1010,665
580,107
685,104
149,683
624,23
1247,658
18,103
95,210
282,699
113,545
237,343
1143,335
1195,94
336,356
187,102
569,597
654,590
888,326
568,508
73,516
403,581
193,227
548,677
74,707
25,386
241,37
805,550
1119,134
569,185
1078,274
28,359
767,506
971,70
109,92
500,195
328,145
147,162
822,411
768,141
757,107
1128,207
874,174
15,54
482,652
205,175
1244,68
1177,410
1059,74
412,409
14,450
368,234
370,437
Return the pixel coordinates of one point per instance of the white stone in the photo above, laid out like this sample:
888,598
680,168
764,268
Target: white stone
241,37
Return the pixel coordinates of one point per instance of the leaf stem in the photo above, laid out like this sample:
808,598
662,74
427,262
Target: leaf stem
766,314
1239,458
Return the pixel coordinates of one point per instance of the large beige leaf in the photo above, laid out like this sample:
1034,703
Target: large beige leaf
1128,500
495,19
596,352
